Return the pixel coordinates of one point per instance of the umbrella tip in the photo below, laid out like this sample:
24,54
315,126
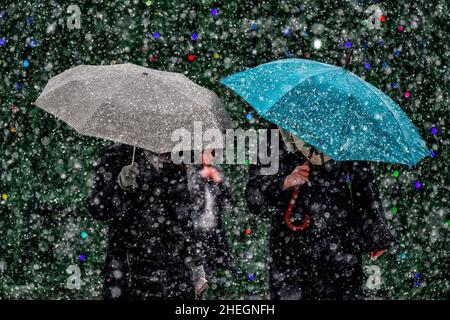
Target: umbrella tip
349,59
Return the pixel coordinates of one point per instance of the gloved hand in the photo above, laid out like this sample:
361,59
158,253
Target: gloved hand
128,175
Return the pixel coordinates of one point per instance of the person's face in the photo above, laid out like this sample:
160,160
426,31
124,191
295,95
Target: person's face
208,156
317,158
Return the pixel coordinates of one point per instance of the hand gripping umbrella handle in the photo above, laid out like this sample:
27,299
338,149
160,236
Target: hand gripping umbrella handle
287,215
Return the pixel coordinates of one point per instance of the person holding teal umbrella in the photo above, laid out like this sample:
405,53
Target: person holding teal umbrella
324,203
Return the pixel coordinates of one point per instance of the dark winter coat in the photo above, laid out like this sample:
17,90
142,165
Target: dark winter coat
150,229
211,242
347,221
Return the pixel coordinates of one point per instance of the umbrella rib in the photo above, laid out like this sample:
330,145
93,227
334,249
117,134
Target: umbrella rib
297,85
393,114
264,114
344,126
83,128
345,122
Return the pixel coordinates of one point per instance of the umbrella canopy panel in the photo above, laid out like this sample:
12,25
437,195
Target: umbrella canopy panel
131,104
332,109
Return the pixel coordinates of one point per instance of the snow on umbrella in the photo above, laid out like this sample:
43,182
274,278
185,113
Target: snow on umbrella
131,104
332,109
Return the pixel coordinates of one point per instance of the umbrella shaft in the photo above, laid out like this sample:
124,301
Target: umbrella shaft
134,152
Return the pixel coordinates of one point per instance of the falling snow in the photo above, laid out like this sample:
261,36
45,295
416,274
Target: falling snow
52,247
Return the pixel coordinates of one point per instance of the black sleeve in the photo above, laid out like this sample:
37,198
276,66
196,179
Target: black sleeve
368,217
227,204
108,200
193,208
226,193
263,191
209,244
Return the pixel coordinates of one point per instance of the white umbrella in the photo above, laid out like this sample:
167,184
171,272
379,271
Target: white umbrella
131,104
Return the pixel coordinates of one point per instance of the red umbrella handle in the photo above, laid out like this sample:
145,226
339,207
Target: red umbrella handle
287,216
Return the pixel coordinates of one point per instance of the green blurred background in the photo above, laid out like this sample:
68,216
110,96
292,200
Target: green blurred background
46,167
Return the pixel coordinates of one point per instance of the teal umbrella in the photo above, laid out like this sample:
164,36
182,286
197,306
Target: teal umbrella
332,109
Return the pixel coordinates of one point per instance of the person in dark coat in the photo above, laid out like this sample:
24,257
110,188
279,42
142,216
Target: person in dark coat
151,235
341,217
211,197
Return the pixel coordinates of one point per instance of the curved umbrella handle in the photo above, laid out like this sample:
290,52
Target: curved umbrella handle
287,216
